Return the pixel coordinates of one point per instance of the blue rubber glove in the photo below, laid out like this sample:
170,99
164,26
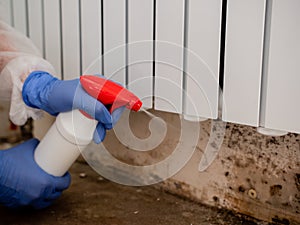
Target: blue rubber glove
23,182
42,90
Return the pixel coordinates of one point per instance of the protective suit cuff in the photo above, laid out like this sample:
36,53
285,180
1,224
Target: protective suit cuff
12,79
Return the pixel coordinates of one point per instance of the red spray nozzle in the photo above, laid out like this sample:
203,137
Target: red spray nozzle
110,93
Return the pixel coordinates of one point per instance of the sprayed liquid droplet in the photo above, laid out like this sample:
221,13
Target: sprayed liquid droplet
158,119
148,113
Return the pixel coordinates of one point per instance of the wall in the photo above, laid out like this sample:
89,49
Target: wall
253,174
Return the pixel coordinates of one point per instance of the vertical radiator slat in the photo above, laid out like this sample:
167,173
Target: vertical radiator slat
169,55
91,36
52,23
281,92
243,61
140,49
35,22
114,35
202,58
20,15
6,11
70,39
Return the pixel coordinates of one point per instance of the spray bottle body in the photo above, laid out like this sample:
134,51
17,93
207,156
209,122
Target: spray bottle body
63,143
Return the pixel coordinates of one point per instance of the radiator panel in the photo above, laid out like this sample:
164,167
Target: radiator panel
281,108
114,43
35,23
6,11
243,61
70,39
140,49
202,58
91,37
19,9
52,29
169,49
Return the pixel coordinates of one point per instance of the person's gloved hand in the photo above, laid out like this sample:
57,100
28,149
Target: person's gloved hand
42,90
23,182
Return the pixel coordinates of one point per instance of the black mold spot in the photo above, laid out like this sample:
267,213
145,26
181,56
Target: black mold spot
216,199
276,221
264,171
297,181
275,190
264,181
242,189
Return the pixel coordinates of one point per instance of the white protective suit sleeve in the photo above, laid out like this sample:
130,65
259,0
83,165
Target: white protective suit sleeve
18,58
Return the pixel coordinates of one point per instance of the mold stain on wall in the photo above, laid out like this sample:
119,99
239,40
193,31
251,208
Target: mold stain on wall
253,174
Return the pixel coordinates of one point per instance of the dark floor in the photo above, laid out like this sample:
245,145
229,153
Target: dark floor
94,200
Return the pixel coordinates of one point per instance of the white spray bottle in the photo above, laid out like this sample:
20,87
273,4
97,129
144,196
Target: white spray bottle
73,131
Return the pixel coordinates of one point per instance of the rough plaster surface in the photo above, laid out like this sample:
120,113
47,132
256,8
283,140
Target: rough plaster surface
253,174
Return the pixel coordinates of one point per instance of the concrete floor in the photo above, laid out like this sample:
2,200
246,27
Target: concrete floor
94,200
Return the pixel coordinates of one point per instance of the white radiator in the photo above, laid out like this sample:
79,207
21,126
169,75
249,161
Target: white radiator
174,54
